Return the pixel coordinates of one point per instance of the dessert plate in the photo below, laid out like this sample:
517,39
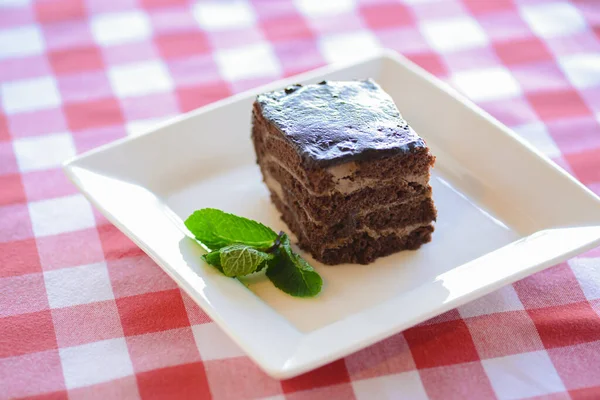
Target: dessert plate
505,212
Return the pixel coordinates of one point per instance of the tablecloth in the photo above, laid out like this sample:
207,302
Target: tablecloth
84,314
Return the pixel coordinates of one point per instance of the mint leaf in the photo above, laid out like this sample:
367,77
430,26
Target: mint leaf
290,273
240,260
217,229
213,258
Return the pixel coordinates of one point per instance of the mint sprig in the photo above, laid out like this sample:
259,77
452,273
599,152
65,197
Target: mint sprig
241,246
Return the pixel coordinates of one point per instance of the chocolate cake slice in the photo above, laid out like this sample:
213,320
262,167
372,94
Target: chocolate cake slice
348,174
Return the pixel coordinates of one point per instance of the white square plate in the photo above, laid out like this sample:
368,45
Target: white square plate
505,212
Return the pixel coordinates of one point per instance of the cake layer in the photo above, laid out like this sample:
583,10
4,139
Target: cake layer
362,247
365,249
329,209
417,210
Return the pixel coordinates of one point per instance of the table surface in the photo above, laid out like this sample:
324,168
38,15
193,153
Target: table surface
85,314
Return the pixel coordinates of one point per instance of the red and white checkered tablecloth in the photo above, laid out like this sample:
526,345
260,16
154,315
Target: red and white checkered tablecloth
84,314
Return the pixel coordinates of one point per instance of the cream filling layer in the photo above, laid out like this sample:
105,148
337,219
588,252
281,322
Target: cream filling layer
404,231
342,176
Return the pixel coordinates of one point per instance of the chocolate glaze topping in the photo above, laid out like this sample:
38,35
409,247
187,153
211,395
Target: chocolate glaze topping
332,123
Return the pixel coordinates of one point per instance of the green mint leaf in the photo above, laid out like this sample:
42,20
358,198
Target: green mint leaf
291,274
213,258
240,260
217,229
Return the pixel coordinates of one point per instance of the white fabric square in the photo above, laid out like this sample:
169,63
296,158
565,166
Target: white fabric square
78,285
217,15
553,19
537,134
248,62
21,42
213,343
454,34
588,275
504,299
509,382
29,95
487,84
119,28
96,362
406,385
139,79
313,8
348,47
43,152
583,70
60,215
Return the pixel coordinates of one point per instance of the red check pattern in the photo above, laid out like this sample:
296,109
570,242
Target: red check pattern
84,314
